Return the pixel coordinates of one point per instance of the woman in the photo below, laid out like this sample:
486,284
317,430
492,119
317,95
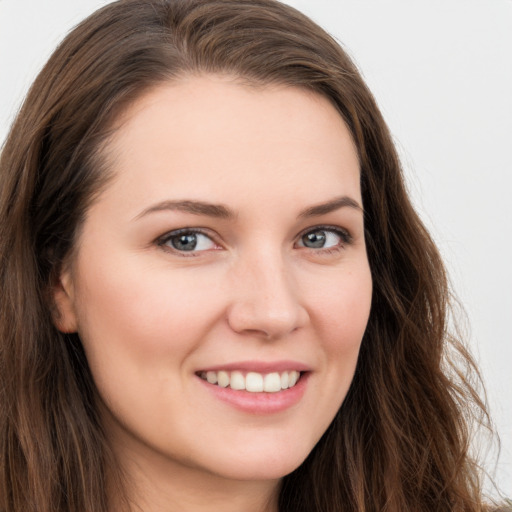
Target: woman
216,291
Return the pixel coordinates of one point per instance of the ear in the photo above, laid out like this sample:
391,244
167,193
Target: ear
63,311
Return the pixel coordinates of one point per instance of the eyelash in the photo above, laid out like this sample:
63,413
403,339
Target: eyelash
345,239
163,240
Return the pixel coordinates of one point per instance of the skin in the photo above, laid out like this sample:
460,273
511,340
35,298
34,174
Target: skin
150,317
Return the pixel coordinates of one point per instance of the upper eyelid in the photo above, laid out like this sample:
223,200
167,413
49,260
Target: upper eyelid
336,229
162,240
175,232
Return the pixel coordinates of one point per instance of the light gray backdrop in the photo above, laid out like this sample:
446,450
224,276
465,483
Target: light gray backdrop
441,71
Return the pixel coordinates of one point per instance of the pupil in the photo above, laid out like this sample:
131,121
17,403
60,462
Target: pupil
185,242
315,239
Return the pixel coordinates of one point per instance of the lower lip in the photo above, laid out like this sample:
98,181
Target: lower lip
260,403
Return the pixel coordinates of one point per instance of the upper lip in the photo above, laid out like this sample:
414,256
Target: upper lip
259,367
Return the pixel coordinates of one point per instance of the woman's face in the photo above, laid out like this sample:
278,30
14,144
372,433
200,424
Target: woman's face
228,252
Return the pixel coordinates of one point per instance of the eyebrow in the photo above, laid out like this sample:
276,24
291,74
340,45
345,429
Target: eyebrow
331,206
221,211
195,207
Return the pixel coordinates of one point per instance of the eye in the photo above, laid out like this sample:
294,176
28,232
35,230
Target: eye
187,240
324,238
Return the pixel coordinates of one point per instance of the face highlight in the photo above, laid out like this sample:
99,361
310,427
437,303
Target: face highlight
221,286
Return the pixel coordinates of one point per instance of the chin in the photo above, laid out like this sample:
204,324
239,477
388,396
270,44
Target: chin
263,466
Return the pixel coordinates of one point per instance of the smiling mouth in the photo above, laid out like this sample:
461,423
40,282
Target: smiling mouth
252,382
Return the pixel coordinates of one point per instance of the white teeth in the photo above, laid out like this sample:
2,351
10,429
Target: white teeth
237,380
211,377
293,377
253,382
223,379
272,383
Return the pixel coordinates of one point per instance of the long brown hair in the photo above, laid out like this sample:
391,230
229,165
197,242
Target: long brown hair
401,438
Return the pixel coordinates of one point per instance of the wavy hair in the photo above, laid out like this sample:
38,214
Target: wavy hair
402,436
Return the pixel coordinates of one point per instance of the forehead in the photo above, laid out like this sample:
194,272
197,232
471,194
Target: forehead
213,133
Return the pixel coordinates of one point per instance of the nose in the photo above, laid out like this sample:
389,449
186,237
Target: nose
265,299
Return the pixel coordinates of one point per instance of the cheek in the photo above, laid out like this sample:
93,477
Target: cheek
137,333
342,316
144,310
343,310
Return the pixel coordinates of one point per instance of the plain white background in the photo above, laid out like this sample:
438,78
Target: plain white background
441,71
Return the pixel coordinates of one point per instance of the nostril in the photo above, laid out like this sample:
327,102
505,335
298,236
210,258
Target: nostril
267,320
